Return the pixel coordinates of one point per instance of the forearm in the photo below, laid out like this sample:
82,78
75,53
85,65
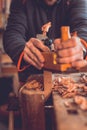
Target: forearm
12,46
14,38
78,18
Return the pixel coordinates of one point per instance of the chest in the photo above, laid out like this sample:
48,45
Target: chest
38,16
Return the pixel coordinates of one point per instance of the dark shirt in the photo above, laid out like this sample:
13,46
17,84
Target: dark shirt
26,19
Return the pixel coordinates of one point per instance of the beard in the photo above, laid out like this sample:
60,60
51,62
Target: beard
50,2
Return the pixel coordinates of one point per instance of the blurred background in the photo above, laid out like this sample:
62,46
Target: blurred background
8,74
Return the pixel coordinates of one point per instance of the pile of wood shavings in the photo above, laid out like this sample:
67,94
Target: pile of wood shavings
67,87
35,83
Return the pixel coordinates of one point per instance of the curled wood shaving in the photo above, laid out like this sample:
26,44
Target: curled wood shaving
69,88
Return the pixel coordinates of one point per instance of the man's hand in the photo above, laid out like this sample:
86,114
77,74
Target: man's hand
32,52
70,51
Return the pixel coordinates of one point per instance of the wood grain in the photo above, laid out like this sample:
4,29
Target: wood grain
68,118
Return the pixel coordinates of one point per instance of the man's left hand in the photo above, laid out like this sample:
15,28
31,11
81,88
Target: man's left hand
70,51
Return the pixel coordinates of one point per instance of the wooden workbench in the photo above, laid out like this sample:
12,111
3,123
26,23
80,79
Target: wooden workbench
59,116
68,118
67,114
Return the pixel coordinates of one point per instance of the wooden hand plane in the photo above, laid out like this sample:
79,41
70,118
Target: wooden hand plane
50,57
51,64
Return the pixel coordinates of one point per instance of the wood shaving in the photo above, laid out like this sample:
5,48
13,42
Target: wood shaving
67,87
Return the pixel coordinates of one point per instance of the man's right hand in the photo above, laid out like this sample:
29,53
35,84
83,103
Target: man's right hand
32,52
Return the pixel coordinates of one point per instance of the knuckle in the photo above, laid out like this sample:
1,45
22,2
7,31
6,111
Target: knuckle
32,39
74,40
55,41
70,52
60,54
30,45
72,59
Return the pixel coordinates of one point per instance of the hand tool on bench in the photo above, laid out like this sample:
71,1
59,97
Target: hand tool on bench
51,64
50,58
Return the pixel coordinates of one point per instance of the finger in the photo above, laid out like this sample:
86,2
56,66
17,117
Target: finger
34,52
70,59
32,56
57,44
70,51
72,42
39,44
66,44
79,64
32,62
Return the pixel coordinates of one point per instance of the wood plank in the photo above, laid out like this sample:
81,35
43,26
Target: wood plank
8,69
32,109
47,83
5,59
66,118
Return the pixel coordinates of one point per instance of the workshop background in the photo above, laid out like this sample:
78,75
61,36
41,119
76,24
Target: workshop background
8,74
